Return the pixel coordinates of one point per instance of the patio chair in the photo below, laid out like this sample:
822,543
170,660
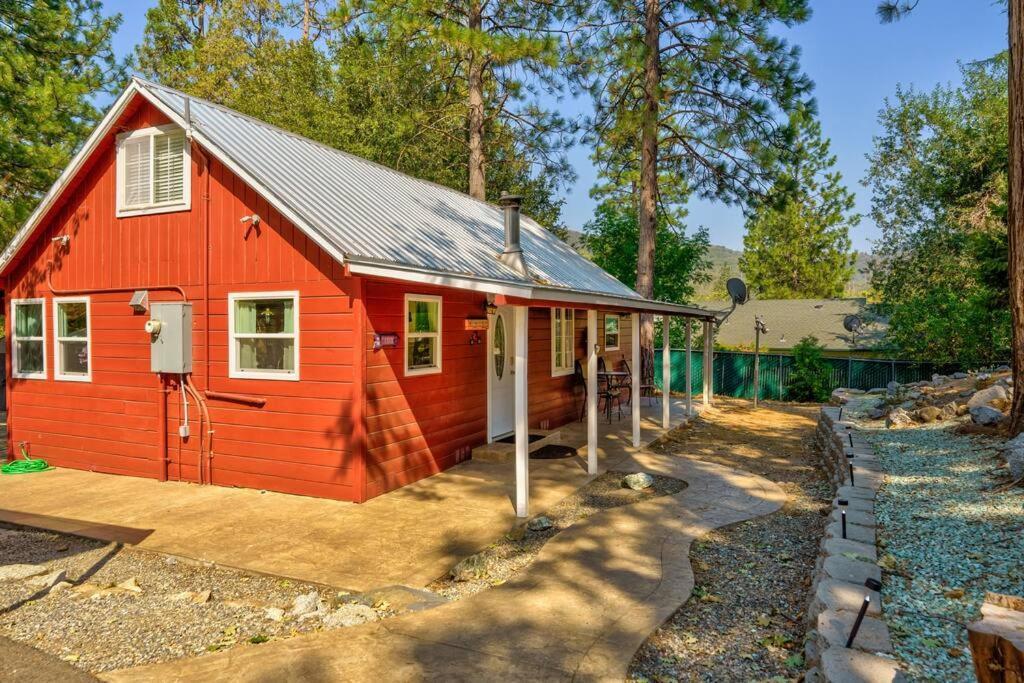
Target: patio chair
606,394
648,389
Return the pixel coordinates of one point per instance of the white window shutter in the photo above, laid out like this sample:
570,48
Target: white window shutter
169,168
136,172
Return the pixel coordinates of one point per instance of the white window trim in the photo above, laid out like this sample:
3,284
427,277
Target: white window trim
618,332
14,340
414,372
58,371
234,371
163,207
568,316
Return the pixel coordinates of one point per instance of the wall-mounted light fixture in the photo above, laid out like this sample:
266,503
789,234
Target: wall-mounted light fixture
490,308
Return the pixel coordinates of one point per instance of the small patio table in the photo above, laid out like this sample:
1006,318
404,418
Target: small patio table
613,379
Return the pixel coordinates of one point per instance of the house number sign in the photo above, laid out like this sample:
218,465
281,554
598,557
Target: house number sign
385,340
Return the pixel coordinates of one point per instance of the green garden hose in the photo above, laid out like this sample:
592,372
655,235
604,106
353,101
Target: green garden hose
26,466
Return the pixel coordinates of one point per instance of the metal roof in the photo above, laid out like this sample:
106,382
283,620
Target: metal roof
371,212
366,214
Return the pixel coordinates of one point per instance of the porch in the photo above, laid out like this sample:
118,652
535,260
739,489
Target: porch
409,536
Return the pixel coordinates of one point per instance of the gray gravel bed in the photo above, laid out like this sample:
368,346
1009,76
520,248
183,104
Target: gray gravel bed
511,553
101,630
944,540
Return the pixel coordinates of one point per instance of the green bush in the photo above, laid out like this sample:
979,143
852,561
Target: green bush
809,379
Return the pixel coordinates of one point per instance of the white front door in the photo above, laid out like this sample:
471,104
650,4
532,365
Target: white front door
501,361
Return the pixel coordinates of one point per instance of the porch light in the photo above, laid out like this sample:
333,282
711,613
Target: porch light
490,308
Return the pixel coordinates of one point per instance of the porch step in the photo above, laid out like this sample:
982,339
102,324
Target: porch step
506,452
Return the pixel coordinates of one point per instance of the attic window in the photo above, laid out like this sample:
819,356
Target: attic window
152,171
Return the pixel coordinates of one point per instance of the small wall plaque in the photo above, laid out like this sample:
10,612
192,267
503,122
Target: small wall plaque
385,340
476,323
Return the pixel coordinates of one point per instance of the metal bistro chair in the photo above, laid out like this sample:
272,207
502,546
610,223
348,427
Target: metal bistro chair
648,389
606,394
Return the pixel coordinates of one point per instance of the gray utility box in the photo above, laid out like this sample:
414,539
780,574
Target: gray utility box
170,333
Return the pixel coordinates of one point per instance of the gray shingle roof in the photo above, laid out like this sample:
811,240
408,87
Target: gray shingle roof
369,212
790,320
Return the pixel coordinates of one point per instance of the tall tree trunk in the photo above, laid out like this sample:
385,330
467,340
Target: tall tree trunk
1015,217
306,10
648,209
475,118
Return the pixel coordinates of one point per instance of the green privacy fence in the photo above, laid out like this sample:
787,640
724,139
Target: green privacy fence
734,373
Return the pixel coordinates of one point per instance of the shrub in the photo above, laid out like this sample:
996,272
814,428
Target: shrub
809,379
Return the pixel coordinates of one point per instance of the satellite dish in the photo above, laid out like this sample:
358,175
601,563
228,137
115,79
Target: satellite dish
852,323
737,290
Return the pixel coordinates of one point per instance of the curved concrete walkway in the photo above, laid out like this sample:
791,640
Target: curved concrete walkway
579,611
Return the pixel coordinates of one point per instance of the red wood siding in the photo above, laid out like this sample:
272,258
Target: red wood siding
422,424
304,440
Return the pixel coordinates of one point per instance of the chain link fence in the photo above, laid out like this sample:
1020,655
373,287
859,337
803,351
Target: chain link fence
734,373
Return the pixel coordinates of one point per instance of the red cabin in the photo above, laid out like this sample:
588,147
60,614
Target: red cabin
339,329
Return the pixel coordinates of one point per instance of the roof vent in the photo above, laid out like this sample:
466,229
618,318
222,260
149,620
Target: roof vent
513,254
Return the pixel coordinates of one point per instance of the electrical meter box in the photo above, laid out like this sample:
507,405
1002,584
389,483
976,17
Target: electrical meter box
170,333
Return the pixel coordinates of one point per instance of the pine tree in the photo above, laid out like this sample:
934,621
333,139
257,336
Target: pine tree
687,95
54,58
797,244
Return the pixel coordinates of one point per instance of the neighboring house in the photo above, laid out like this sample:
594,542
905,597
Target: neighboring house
790,320
348,329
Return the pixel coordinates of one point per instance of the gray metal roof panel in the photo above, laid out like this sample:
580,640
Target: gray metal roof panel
373,212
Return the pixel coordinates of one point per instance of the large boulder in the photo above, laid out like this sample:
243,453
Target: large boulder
1015,463
892,388
927,414
986,416
898,418
986,396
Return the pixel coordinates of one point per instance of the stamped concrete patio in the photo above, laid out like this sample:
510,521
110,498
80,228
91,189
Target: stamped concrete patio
410,536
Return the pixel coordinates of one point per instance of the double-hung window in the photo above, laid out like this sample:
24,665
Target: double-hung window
152,171
422,334
264,335
611,332
563,353
29,338
71,339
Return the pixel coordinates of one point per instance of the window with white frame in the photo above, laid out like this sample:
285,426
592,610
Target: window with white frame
611,332
264,335
422,334
152,171
28,359
71,332
563,353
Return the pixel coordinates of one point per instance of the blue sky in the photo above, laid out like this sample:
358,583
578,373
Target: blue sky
855,62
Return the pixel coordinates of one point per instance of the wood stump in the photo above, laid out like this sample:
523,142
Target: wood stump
997,640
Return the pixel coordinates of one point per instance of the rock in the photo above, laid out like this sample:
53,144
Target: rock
898,418
638,481
274,613
195,597
61,586
1015,462
48,580
961,409
131,585
983,376
1001,404
877,413
305,604
939,380
959,375
16,572
171,561
927,414
839,397
540,523
472,568
892,388
908,405
1003,368
399,599
949,411
986,396
877,390
350,615
984,415
914,395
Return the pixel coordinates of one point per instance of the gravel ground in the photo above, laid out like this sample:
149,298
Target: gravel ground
745,620
100,628
511,553
944,540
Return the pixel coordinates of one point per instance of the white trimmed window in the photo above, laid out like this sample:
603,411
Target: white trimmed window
153,171
264,330
422,334
71,334
611,332
28,359
563,353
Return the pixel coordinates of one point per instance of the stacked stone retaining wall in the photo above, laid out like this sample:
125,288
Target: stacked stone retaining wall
845,564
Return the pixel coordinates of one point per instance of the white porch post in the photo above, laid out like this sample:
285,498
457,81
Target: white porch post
634,320
522,318
689,366
666,372
591,391
709,365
